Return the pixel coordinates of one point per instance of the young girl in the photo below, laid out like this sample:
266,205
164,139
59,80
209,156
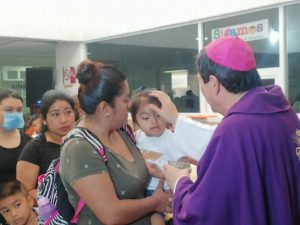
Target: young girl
35,125
187,142
57,112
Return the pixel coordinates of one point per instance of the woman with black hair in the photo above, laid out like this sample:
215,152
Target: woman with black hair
113,191
12,138
57,111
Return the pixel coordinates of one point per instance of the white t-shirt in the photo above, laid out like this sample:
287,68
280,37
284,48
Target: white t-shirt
190,138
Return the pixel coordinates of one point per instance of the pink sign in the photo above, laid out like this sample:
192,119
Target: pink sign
69,75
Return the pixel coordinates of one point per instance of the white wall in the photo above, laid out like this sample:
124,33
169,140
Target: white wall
67,55
92,19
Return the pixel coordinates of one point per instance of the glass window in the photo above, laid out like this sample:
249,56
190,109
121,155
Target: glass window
22,75
293,54
12,75
267,82
162,59
17,54
259,29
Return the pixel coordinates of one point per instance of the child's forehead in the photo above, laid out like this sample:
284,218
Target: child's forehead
12,199
145,100
144,106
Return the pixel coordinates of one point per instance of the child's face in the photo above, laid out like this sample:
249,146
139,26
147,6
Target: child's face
16,209
37,125
149,121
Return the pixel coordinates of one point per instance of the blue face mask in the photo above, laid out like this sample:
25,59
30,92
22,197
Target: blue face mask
13,120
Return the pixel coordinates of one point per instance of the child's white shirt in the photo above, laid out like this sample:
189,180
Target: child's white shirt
190,138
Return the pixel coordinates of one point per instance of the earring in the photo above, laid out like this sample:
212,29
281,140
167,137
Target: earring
107,114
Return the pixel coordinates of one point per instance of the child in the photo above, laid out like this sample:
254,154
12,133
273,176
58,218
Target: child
186,143
16,204
35,125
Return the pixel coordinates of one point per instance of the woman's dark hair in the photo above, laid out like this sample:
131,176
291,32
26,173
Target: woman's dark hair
6,93
234,81
49,98
140,97
98,82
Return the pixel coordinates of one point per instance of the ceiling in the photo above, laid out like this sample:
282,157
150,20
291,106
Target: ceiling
41,53
21,52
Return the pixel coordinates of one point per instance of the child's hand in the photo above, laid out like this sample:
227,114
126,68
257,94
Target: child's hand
154,170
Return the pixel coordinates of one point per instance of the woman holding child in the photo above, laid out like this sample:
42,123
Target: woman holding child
113,192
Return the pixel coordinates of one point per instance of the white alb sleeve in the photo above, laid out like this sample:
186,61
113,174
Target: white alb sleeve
191,137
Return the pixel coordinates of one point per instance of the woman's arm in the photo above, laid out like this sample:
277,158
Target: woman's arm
99,194
27,174
28,168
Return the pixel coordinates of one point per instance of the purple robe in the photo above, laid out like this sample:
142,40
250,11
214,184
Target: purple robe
250,172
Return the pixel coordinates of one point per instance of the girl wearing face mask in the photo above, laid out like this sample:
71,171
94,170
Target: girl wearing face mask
57,114
12,140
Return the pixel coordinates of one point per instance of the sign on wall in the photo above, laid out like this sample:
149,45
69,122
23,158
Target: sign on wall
248,31
69,76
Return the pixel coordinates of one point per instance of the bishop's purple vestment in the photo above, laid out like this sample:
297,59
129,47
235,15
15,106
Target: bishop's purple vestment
250,172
